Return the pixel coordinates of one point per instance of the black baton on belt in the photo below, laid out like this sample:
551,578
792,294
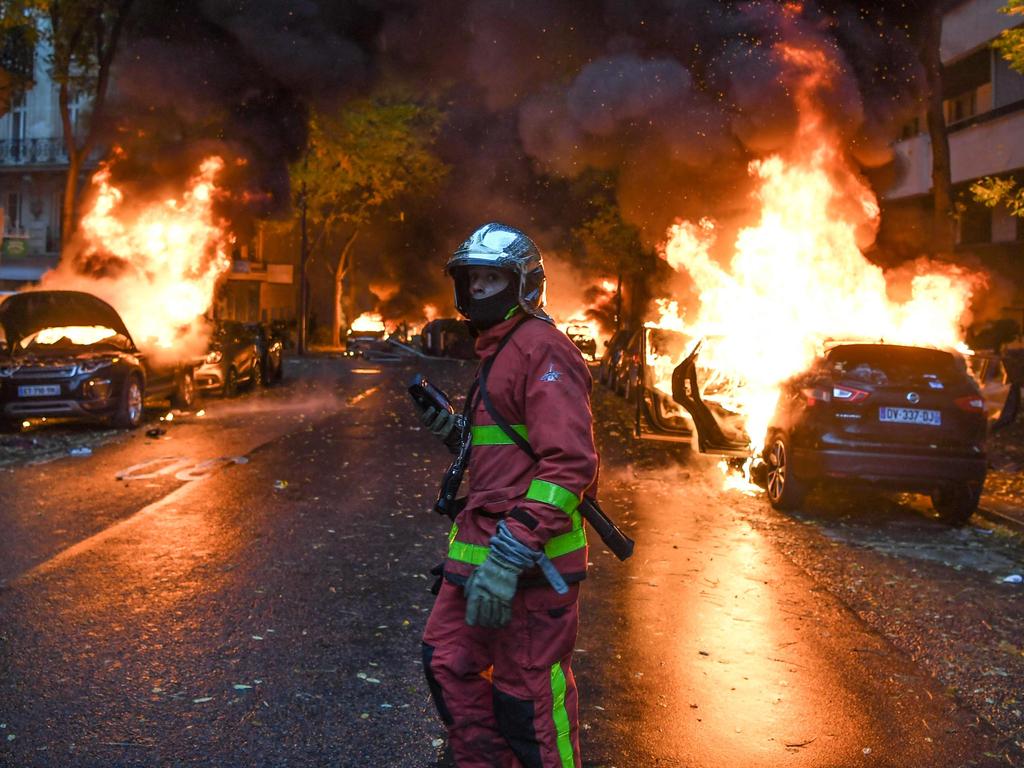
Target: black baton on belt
618,542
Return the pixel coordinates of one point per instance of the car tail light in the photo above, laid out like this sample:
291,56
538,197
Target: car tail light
849,395
815,395
971,404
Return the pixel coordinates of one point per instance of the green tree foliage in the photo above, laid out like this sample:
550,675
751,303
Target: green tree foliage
19,30
1011,42
993,192
370,155
612,245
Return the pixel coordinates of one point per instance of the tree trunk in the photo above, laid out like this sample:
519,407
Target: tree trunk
339,315
943,235
67,220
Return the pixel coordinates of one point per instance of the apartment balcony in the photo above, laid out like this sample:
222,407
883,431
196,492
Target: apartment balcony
984,145
37,152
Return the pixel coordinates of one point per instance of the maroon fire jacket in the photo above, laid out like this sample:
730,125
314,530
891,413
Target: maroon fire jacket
540,385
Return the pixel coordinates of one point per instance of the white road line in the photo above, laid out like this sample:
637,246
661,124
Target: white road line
49,566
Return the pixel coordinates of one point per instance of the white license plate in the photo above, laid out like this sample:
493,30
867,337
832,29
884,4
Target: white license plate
43,390
910,416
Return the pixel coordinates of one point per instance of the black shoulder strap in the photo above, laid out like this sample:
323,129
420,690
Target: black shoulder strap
514,436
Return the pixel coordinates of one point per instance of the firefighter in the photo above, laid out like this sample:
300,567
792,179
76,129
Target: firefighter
497,649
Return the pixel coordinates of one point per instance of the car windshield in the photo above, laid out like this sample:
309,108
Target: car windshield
881,363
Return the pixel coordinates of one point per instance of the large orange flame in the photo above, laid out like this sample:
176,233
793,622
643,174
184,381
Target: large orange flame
798,276
169,256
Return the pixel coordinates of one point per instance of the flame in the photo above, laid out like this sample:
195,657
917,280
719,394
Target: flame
368,322
797,277
169,256
430,312
82,335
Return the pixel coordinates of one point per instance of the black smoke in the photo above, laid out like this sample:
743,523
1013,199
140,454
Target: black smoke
672,97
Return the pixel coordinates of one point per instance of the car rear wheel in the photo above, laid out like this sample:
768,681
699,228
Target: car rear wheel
231,383
785,490
956,503
185,395
129,408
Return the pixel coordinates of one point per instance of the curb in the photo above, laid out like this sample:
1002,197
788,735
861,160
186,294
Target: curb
992,512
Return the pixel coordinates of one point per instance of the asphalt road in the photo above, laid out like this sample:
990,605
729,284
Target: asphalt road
249,588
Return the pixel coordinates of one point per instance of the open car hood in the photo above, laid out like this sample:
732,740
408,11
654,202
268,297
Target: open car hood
23,314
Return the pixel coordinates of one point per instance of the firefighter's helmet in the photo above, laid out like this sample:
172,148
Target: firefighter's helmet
502,247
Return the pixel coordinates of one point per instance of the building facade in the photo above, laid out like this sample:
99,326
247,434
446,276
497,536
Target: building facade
984,109
33,168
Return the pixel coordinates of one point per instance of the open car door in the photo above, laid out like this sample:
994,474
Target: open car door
656,415
710,420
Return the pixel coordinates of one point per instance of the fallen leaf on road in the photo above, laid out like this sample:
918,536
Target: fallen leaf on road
202,700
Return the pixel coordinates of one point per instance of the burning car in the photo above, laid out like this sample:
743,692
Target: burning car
233,359
899,417
68,353
582,336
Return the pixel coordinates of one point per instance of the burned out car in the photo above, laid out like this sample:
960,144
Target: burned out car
68,353
898,417
582,336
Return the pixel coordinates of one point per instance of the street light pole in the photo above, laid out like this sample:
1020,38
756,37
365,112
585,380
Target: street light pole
303,285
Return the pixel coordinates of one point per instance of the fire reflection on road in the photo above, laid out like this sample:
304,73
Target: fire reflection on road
739,677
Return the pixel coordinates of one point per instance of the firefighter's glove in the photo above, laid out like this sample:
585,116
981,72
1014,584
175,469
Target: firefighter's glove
491,587
447,427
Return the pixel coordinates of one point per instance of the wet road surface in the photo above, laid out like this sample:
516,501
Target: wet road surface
250,589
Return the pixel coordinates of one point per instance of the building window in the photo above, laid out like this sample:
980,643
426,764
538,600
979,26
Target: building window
78,105
13,211
975,224
17,135
967,86
911,128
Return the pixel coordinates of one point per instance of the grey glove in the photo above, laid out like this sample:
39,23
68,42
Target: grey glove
448,427
491,587
489,592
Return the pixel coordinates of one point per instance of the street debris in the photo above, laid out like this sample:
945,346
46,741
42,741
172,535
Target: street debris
156,432
1013,578
280,485
82,450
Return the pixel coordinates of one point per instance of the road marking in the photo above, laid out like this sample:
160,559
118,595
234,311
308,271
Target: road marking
184,469
162,465
48,566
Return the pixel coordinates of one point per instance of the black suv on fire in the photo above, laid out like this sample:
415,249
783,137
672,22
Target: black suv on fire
898,417
68,353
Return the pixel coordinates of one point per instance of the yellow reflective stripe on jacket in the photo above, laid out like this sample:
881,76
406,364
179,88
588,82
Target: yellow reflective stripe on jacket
556,496
492,434
475,554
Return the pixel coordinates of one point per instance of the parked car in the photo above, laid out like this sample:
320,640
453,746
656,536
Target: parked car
448,337
270,346
621,360
68,353
612,351
999,375
584,340
232,359
898,417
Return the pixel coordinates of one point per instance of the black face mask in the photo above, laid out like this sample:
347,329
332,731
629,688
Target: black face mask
486,313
